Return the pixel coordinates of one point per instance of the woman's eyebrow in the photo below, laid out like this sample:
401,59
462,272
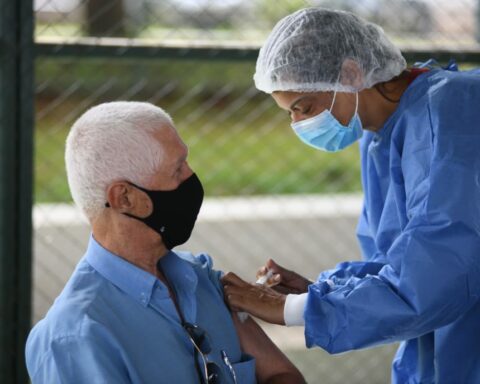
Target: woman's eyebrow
301,98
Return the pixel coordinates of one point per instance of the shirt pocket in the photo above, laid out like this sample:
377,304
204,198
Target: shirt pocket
245,370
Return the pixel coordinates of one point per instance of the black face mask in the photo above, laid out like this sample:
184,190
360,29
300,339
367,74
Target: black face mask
174,212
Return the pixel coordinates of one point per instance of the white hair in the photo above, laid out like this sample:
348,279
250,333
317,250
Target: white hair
110,142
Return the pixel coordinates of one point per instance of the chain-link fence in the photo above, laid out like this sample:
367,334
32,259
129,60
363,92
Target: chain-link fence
268,195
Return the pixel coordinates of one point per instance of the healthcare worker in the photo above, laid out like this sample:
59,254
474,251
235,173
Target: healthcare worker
341,80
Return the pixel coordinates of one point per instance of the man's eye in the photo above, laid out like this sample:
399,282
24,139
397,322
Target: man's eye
307,110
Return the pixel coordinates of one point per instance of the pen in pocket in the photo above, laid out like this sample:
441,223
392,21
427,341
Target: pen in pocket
226,360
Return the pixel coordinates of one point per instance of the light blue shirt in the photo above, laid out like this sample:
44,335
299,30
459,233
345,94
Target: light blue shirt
116,323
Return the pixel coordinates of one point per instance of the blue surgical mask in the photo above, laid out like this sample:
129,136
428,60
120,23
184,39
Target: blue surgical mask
325,132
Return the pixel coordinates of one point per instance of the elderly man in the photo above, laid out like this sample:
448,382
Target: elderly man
134,311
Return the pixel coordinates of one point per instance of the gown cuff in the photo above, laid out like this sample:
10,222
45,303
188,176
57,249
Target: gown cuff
294,309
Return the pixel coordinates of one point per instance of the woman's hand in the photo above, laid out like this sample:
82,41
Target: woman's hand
258,300
284,280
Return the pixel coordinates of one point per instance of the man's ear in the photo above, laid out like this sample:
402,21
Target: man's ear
118,196
351,75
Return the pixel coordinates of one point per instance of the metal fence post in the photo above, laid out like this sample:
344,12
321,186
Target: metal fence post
477,19
16,150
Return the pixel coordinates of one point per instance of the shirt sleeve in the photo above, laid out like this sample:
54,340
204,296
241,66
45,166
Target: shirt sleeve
432,273
205,263
80,360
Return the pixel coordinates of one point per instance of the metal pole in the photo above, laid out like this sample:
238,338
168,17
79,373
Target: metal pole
16,150
477,18
119,48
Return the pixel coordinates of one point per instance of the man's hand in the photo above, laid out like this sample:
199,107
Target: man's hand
258,300
284,280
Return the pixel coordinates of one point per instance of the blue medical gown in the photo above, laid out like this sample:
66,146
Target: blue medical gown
420,237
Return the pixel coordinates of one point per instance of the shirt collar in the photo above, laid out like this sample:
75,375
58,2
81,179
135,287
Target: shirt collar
131,279
136,282
179,272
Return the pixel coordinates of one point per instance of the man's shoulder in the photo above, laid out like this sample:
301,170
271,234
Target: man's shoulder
201,259
202,264
77,320
79,303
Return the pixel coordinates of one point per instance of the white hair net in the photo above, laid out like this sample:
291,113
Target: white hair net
316,49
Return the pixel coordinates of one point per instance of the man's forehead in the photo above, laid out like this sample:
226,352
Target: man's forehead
172,145
164,129
167,135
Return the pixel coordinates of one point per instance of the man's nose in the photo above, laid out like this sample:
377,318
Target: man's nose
187,171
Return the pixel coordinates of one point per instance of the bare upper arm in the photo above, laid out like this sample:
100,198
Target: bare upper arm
271,366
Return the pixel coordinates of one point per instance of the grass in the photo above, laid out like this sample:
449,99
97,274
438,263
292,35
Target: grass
240,142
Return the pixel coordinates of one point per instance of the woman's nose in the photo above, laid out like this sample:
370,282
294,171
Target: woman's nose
296,116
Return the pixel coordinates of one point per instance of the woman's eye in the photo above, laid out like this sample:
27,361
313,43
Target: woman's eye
307,110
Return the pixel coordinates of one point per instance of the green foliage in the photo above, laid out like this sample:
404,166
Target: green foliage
271,12
240,142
